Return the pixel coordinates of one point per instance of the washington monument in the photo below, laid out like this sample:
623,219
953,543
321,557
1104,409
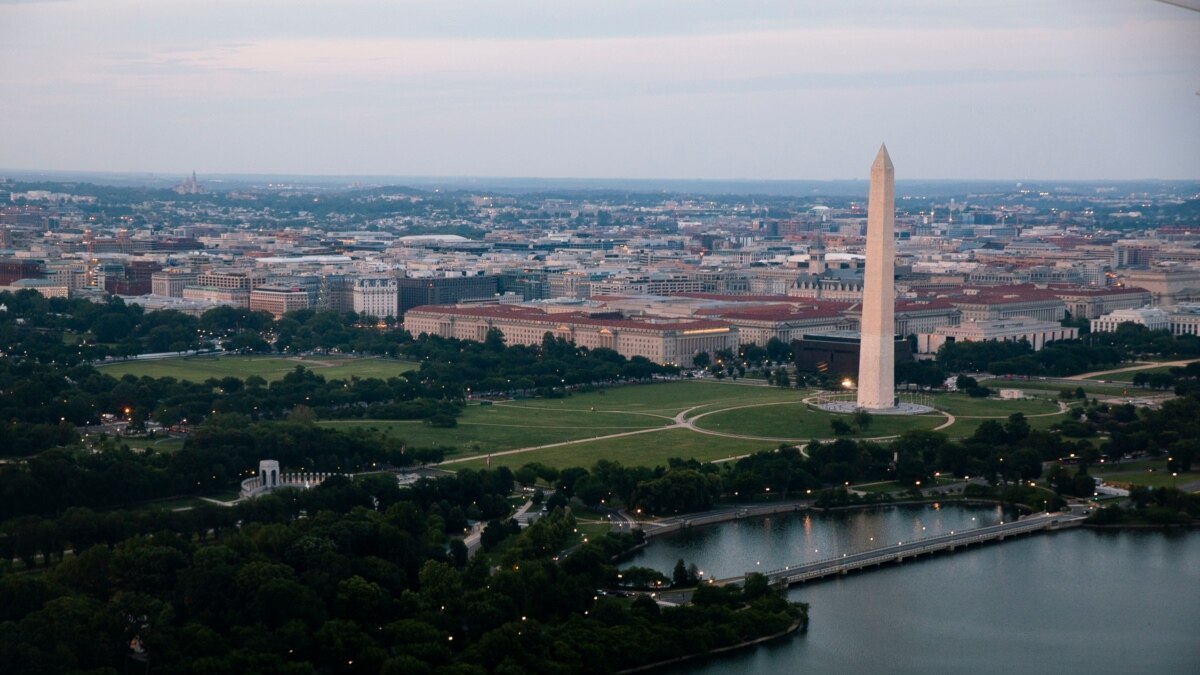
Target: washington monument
877,345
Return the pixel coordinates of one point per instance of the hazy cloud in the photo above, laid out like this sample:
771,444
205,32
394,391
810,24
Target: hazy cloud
671,88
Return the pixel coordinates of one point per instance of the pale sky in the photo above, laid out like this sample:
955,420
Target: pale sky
774,89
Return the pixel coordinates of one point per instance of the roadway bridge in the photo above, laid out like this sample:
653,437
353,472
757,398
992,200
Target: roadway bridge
794,574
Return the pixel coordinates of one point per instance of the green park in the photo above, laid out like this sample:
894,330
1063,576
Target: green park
270,368
651,423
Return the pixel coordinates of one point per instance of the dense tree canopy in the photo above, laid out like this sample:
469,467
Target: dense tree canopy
364,583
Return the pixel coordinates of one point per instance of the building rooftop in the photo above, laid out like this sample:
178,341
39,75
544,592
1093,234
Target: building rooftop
771,312
521,312
1075,291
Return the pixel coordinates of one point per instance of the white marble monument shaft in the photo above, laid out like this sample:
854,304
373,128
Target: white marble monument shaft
877,355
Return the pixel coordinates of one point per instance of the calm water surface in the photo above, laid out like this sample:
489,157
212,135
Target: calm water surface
1070,602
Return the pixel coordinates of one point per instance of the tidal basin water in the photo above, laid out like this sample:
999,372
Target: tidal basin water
1077,601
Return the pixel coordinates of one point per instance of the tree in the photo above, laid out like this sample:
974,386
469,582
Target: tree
362,600
1017,428
494,340
679,575
778,351
496,532
1028,463
526,475
756,586
839,426
440,584
590,490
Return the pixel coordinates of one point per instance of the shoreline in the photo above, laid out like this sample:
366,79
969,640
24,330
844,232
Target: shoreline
719,651
1194,525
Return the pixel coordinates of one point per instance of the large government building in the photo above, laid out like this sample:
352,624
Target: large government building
663,340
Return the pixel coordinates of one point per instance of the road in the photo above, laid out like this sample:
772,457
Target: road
1141,366
472,539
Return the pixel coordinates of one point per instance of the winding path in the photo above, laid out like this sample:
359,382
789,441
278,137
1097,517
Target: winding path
684,420
681,420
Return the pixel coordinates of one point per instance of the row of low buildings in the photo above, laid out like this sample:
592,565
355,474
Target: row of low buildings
673,329
1179,320
662,340
935,313
336,285
1009,274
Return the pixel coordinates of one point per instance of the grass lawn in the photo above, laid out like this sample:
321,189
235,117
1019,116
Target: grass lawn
651,449
1038,386
592,530
890,486
506,426
1148,472
224,496
584,513
779,413
1159,464
170,504
525,423
801,423
1154,479
200,368
169,444
963,405
669,398
965,426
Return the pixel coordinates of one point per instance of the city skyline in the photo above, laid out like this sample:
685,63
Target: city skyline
769,90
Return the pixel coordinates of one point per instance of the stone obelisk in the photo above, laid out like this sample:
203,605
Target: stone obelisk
877,346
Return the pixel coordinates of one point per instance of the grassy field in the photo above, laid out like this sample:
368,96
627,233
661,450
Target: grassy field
879,488
224,496
650,449
169,444
774,413
965,426
1038,387
170,504
670,398
506,426
963,405
1154,479
1148,472
798,422
526,423
593,530
1126,467
200,368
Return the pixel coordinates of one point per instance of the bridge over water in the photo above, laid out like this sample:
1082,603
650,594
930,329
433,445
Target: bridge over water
794,574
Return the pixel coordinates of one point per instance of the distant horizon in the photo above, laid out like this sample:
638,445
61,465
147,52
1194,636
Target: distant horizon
12,173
